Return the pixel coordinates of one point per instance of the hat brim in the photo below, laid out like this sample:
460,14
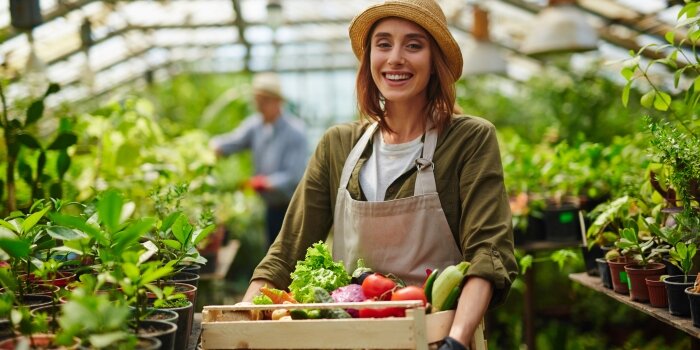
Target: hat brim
363,22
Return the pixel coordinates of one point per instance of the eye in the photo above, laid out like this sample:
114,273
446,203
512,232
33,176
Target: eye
414,46
382,44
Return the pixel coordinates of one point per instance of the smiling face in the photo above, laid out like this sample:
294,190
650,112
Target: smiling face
400,60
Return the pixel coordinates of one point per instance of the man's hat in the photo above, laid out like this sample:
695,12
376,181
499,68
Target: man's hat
425,13
267,83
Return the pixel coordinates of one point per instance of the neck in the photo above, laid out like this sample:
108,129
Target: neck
406,120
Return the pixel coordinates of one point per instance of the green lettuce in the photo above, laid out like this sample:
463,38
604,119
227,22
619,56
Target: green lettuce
317,270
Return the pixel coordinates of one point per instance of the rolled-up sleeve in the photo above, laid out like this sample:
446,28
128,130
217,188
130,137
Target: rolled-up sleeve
486,233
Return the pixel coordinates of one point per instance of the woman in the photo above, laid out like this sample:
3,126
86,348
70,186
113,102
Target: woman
418,187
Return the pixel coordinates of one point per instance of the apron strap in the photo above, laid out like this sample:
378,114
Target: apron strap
355,154
425,178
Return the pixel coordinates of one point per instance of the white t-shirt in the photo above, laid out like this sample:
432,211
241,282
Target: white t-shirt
386,164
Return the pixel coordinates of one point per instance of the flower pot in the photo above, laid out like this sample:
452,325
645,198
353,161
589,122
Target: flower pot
43,289
636,275
590,257
694,301
185,277
39,341
61,279
50,311
188,290
534,232
34,301
678,303
618,275
184,322
562,223
604,272
164,331
145,343
657,291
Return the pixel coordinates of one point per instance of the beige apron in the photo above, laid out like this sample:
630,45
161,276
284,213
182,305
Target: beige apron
403,236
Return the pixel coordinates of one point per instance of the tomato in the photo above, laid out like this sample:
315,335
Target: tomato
410,293
378,286
382,312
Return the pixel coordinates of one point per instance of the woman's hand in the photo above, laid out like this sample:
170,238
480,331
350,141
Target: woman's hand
450,343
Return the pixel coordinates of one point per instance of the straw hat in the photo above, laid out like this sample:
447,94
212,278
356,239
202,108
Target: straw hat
425,13
267,83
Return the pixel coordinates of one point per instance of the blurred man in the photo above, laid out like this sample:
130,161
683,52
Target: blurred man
278,142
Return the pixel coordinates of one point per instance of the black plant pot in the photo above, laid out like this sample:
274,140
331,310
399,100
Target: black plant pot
164,331
590,257
672,270
184,324
534,232
694,300
678,303
562,223
604,272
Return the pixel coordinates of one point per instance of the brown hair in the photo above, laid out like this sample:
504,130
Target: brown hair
441,92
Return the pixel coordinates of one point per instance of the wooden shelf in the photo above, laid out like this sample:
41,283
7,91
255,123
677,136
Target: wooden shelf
662,314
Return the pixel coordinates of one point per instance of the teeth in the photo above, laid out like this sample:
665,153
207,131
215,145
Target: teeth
397,76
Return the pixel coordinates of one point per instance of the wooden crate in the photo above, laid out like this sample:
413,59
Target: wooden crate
235,327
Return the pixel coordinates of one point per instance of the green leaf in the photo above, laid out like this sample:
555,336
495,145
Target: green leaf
182,230
16,248
626,93
173,244
628,73
52,89
170,220
109,209
63,141
62,163
203,233
103,340
662,101
29,141
131,271
64,233
9,226
33,219
34,112
669,37
131,234
647,99
153,275
79,224
525,263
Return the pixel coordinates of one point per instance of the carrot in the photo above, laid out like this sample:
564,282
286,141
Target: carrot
277,296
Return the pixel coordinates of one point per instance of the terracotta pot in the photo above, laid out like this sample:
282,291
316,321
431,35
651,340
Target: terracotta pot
618,275
62,279
657,291
636,275
40,341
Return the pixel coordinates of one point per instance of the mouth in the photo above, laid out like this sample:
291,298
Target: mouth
397,77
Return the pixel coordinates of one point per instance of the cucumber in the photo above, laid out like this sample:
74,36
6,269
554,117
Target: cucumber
452,298
428,286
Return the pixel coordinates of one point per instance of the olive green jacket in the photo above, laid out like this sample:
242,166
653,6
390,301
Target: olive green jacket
469,179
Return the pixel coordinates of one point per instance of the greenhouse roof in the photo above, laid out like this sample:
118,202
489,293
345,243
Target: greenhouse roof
91,47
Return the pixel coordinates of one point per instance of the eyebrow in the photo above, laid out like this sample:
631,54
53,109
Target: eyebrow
408,36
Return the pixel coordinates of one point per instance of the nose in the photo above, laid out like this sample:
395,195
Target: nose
396,56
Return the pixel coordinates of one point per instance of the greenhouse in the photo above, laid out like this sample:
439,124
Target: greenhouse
335,174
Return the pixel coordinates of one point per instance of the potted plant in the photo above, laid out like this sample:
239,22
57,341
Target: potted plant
642,252
682,256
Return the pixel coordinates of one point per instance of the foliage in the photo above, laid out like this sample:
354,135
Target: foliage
556,105
27,157
214,102
674,135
